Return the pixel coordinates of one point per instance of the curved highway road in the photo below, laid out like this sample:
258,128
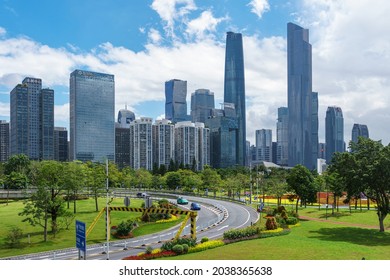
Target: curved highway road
215,217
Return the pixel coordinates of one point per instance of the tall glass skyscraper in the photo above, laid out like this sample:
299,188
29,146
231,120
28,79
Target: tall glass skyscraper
282,137
359,130
334,132
264,145
300,98
223,136
234,89
32,120
202,102
92,116
176,100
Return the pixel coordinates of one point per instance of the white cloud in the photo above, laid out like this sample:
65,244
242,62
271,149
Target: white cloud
259,7
203,26
154,36
171,11
2,31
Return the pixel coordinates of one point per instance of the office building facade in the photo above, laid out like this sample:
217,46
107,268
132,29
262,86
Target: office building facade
300,98
202,102
282,137
334,132
176,101
61,144
359,130
4,141
234,89
264,145
32,120
223,127
92,121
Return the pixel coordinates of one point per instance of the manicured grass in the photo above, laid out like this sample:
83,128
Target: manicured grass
311,241
33,236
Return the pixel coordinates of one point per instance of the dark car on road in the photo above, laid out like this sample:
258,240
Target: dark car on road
195,206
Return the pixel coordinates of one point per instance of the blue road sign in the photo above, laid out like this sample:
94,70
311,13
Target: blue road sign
80,236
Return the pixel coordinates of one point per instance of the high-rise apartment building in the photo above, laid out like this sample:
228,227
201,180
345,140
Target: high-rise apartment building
61,144
202,102
359,130
234,89
4,141
32,120
122,145
141,155
282,137
92,116
334,132
264,145
176,100
314,127
300,98
223,127
191,144
163,142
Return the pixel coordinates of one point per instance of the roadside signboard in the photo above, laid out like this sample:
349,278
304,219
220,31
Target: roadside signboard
80,236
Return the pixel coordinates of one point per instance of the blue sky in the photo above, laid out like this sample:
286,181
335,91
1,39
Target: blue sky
145,43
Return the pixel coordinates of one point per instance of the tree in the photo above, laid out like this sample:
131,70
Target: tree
96,180
211,179
366,170
46,202
300,180
74,180
16,171
172,179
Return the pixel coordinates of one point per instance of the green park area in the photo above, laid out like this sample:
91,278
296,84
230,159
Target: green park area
322,234
31,239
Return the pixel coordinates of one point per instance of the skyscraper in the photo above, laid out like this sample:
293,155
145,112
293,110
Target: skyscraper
234,89
314,127
125,117
4,141
359,130
264,145
192,146
92,116
223,136
32,120
163,142
334,132
202,102
300,97
176,100
141,155
60,144
282,137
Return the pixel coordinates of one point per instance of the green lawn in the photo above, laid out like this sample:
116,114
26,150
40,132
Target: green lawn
33,236
310,241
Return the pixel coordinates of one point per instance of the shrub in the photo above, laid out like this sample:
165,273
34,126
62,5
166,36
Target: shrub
204,239
271,223
185,248
14,237
275,232
292,221
191,242
206,245
178,249
148,250
241,233
124,228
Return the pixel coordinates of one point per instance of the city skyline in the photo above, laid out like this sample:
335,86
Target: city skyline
146,44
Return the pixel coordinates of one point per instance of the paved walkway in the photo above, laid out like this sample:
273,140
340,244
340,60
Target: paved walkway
340,223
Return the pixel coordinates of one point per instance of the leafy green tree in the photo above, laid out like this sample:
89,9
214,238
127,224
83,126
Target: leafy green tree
366,170
74,181
47,202
189,180
211,179
96,177
300,180
172,179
